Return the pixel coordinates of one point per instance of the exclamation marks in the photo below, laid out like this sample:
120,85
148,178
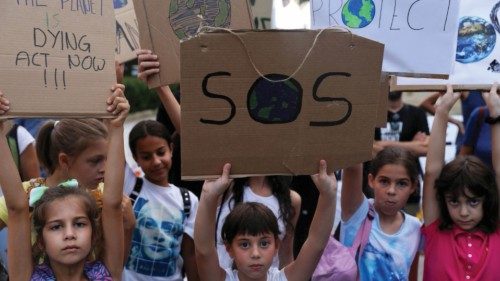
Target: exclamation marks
56,78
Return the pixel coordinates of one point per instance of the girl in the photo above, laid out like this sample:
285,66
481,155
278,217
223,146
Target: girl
272,191
250,233
461,204
395,235
164,231
65,218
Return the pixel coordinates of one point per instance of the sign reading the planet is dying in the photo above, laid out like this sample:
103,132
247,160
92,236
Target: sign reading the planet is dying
277,124
127,31
164,23
419,36
477,59
57,56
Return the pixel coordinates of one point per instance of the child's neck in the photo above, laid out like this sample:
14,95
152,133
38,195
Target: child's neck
242,277
69,273
390,224
260,186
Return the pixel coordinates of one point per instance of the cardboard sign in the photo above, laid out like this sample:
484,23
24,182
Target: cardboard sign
230,113
419,36
127,31
57,56
261,12
164,23
477,59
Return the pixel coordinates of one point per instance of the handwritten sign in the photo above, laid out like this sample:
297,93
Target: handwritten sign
261,11
477,59
164,23
231,114
418,35
127,31
57,56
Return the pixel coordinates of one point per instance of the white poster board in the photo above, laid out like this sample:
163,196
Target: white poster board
127,30
261,12
477,60
419,36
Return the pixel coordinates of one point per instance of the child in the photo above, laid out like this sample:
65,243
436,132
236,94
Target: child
250,233
162,240
272,191
395,235
65,217
461,204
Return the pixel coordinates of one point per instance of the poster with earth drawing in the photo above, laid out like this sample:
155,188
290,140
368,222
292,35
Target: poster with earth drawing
163,24
477,59
419,36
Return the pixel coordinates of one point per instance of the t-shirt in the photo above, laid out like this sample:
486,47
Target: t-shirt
478,135
403,125
456,254
160,226
271,202
273,274
386,256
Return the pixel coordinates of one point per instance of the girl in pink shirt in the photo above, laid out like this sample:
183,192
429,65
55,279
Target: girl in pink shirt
461,211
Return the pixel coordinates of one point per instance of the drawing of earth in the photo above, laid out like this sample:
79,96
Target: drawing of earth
274,102
119,3
358,13
184,18
476,39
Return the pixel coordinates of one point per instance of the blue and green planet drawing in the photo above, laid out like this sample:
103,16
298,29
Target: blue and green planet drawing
358,13
476,39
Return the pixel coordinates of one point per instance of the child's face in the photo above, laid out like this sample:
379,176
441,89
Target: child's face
253,255
392,187
154,156
67,233
466,211
88,166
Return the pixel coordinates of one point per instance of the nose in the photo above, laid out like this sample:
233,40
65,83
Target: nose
69,233
255,254
156,160
464,211
391,190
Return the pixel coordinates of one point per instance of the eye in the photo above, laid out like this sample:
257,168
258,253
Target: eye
244,245
383,181
264,244
80,224
161,152
474,202
55,227
452,202
403,183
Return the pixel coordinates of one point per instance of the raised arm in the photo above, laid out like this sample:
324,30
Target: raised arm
428,105
148,65
352,191
493,102
435,155
19,239
319,232
204,228
112,215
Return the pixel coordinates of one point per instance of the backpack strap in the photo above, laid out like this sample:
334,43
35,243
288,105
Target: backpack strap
137,189
186,200
364,232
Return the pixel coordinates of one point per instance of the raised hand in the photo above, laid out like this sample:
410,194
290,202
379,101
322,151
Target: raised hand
117,105
217,186
493,101
326,183
148,64
4,104
445,102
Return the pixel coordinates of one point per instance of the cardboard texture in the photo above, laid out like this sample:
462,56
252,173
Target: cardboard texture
127,31
230,114
261,12
57,57
164,23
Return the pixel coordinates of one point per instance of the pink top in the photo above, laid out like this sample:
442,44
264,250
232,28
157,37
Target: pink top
460,255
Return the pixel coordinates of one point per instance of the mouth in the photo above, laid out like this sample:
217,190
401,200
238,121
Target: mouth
256,267
391,203
71,248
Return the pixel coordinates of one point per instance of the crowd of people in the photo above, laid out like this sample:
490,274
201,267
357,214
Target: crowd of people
91,218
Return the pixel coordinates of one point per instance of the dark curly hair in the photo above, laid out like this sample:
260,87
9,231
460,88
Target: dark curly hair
471,174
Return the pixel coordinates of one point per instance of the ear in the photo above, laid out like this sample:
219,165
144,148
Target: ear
172,147
229,250
371,180
64,160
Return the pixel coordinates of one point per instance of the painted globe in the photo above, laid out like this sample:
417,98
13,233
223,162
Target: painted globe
358,13
476,39
185,15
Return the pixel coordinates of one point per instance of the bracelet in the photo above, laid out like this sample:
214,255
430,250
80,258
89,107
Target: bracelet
491,120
